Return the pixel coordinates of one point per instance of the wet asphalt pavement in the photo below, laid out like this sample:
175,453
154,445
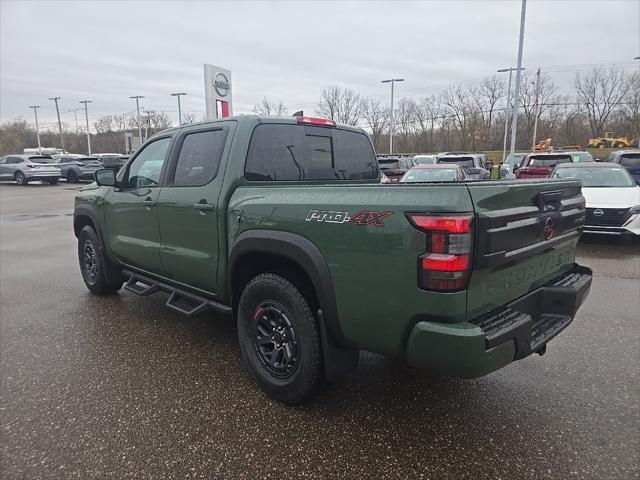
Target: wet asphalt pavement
122,387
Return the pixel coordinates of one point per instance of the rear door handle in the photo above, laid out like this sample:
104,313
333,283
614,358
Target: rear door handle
203,207
149,203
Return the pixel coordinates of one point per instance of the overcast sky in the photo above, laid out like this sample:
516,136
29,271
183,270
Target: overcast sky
107,51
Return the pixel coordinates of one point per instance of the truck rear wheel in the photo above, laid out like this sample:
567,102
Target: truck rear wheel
98,274
279,339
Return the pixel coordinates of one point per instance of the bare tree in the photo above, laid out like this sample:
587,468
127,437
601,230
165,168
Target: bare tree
341,105
459,108
270,107
377,117
630,108
189,117
599,94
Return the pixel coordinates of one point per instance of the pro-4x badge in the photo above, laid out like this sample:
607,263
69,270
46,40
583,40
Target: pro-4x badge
363,217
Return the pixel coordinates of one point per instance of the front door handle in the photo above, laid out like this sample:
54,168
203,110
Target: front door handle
203,207
149,203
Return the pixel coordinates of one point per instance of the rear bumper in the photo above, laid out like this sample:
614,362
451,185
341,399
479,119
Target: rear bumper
31,175
485,344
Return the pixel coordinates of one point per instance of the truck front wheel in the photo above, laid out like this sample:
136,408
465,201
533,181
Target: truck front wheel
279,339
98,274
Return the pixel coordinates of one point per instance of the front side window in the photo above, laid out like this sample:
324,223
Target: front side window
199,158
145,170
286,152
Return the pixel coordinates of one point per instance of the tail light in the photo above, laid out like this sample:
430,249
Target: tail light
316,121
446,265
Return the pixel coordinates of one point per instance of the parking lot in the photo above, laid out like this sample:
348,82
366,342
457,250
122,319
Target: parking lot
122,387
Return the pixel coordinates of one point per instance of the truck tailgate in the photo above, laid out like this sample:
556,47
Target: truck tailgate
526,234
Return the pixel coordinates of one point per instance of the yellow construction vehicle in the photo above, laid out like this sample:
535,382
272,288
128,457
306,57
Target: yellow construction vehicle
610,141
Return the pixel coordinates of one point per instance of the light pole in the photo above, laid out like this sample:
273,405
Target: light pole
391,123
55,99
86,116
516,101
35,112
506,111
178,94
137,98
536,111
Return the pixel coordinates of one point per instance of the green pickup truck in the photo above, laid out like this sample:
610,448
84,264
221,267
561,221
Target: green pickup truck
283,224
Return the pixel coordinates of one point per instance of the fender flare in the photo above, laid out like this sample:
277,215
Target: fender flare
339,356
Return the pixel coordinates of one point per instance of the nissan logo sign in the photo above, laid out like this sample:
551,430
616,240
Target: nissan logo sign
598,212
221,84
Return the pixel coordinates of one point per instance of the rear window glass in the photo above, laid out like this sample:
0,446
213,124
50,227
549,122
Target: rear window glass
430,175
548,161
630,160
462,161
581,157
41,160
298,152
389,164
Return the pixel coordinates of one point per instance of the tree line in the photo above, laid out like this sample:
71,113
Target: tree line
461,117
473,117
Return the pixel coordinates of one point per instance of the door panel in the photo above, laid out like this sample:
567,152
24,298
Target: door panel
188,208
131,212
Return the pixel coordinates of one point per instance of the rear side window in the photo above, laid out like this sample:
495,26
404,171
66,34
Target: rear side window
199,158
297,152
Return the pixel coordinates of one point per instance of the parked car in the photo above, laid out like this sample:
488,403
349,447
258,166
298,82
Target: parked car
394,167
425,159
282,224
540,165
26,168
612,196
114,161
629,159
75,168
435,173
476,164
511,163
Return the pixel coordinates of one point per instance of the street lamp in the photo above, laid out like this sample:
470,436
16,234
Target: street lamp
35,112
506,111
516,101
178,94
391,123
86,116
137,98
55,99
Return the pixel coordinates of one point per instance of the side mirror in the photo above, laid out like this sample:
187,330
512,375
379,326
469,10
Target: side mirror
105,177
516,167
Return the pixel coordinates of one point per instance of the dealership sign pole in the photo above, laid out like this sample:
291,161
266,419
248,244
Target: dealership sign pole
217,90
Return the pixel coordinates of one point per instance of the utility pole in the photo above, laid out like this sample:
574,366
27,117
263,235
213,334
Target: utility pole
35,112
506,112
392,120
178,94
137,98
55,99
638,132
516,101
150,114
86,116
536,110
